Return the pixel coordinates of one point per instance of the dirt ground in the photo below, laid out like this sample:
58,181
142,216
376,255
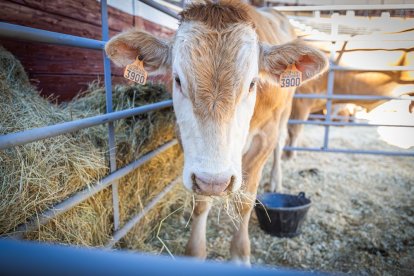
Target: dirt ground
361,221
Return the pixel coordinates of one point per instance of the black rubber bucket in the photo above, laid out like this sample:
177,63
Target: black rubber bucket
286,213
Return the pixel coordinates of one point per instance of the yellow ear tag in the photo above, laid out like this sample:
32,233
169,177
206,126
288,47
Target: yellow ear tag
136,72
291,77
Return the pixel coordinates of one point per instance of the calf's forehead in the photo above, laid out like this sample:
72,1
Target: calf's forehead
195,43
214,65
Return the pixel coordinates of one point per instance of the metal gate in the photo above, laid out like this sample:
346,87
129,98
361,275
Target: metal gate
20,138
335,37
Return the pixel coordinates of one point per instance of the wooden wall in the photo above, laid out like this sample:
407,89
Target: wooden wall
60,70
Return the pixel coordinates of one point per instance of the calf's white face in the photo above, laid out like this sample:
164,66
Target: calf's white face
214,95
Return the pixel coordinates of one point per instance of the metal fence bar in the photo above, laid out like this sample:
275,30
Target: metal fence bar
330,85
331,123
176,7
132,222
350,97
337,117
160,7
34,258
31,34
109,109
351,39
372,68
342,7
351,117
108,98
352,151
81,196
31,135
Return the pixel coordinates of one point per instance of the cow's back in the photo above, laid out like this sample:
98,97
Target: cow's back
272,26
373,83
353,83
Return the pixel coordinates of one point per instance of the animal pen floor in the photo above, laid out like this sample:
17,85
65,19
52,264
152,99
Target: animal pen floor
361,221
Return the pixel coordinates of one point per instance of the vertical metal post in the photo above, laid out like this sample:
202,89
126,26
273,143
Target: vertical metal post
111,130
133,13
331,78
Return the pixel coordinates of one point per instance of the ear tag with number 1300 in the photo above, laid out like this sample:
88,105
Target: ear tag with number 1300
136,72
291,77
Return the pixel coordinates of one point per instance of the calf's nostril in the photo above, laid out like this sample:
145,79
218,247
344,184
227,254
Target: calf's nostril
212,184
231,183
195,187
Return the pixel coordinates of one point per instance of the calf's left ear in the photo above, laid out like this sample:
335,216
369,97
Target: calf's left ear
275,59
124,48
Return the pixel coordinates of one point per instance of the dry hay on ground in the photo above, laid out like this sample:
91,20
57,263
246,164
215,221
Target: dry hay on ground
35,176
361,221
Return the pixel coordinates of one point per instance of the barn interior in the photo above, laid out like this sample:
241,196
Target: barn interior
362,215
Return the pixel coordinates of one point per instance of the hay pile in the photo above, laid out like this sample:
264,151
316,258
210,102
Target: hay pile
35,176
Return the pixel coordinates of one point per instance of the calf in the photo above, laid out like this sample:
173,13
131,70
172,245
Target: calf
225,59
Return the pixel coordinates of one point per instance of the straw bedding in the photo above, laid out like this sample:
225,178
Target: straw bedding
361,221
35,176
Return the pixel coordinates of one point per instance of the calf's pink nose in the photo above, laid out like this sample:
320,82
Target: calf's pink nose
211,184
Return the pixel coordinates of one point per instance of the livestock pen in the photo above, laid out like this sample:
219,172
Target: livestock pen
119,231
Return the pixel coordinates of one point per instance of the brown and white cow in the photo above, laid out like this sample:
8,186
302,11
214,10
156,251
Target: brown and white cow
226,59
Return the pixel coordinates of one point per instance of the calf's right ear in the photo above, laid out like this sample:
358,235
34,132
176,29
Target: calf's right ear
275,59
125,47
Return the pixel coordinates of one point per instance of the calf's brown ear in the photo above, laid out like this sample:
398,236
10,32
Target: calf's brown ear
124,48
275,59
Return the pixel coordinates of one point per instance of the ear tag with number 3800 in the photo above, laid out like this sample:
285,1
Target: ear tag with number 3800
291,77
136,72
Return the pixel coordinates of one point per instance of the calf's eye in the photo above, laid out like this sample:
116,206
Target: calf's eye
178,81
252,85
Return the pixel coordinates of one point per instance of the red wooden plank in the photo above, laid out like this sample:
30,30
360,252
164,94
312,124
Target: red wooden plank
84,11
45,58
18,14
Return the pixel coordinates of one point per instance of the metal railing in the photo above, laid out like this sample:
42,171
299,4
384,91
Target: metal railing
382,7
31,258
23,137
27,136
333,38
